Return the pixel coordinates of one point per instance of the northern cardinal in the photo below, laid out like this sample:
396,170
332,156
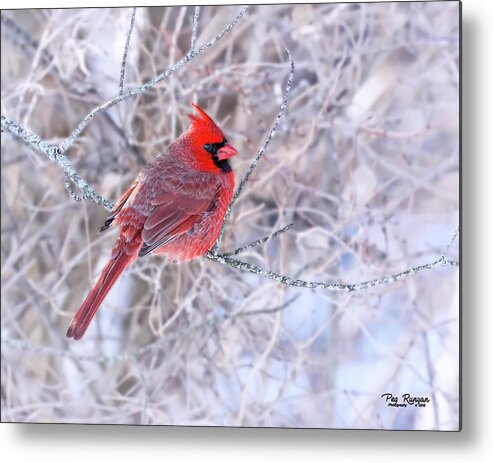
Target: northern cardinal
175,207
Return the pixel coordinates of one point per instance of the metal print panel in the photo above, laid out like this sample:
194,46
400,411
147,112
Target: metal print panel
232,215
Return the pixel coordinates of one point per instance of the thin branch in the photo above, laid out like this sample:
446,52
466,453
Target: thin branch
55,155
260,153
285,280
259,241
269,311
127,43
451,242
195,25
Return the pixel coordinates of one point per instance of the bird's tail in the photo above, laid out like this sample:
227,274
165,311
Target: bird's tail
113,269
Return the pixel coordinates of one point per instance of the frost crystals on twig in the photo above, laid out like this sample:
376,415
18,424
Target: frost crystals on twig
55,155
449,245
195,26
127,43
71,192
285,280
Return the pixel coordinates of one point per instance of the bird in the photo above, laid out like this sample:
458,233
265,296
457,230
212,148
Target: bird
175,208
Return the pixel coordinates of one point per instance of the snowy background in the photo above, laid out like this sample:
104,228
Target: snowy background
365,164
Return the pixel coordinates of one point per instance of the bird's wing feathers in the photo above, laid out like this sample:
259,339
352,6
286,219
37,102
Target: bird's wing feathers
118,207
176,211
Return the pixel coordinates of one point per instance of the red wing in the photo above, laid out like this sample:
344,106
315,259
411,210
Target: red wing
118,207
174,214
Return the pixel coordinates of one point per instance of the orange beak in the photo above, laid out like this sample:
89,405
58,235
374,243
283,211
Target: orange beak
226,152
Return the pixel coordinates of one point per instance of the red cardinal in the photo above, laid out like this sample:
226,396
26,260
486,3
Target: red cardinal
175,207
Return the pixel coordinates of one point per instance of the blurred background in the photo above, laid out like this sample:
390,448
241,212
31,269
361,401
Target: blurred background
365,164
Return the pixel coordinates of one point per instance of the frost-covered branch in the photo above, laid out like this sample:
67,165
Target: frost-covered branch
125,52
53,152
450,243
258,242
348,287
195,26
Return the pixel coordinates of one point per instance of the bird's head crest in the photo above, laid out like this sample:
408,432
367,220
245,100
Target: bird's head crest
204,128
202,118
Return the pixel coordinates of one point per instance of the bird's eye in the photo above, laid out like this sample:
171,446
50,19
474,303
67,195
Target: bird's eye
208,147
